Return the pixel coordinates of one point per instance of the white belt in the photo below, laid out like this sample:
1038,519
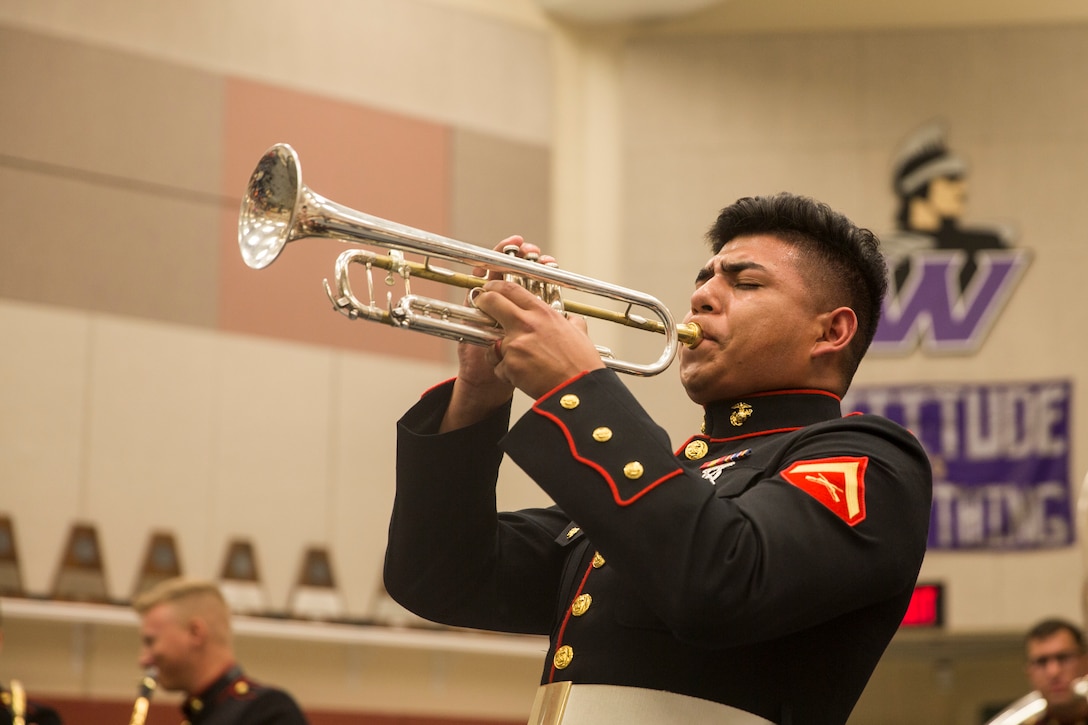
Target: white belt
560,703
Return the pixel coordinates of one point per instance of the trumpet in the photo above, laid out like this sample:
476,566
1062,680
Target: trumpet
1029,707
18,703
278,209
146,689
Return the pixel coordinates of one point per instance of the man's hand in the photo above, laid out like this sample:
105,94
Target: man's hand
540,350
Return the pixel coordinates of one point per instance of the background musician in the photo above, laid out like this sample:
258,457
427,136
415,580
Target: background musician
186,636
1055,660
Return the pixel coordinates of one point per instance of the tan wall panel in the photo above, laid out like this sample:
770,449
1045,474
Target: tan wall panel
499,188
106,248
376,162
43,446
370,396
466,66
272,457
151,462
133,120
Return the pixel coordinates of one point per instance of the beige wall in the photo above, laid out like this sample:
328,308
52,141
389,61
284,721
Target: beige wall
154,383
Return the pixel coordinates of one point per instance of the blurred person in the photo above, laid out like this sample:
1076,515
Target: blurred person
186,641
756,574
1056,659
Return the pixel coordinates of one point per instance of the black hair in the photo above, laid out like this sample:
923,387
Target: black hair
1049,627
844,259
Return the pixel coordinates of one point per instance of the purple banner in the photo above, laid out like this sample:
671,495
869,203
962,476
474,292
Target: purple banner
1000,456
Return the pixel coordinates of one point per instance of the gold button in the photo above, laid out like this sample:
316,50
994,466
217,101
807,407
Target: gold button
569,401
602,434
696,450
241,688
196,705
633,470
598,560
563,656
580,605
573,532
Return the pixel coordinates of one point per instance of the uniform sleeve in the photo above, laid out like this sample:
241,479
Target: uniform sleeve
451,557
729,565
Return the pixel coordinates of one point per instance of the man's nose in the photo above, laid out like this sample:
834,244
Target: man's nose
703,299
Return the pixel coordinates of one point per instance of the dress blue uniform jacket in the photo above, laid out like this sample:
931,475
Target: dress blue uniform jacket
764,565
235,699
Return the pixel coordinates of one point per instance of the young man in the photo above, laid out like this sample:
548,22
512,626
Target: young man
186,639
1056,659
754,576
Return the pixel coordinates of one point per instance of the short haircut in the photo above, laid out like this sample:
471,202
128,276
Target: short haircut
191,597
1049,627
842,260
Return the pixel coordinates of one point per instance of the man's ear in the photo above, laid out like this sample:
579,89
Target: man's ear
197,628
838,328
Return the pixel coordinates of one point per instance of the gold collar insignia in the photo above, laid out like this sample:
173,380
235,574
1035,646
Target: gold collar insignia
741,413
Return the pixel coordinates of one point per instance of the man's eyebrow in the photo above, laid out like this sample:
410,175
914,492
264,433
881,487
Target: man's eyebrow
727,269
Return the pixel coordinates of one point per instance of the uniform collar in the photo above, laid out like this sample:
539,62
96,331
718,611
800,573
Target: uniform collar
768,412
195,704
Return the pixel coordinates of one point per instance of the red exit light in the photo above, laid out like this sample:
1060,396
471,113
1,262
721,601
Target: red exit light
926,607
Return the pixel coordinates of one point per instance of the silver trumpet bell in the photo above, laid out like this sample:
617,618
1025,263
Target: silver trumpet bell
278,209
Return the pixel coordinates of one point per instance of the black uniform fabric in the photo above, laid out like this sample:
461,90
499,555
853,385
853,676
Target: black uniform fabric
36,713
767,569
235,699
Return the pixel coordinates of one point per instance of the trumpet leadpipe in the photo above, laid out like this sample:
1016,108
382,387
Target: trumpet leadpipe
688,333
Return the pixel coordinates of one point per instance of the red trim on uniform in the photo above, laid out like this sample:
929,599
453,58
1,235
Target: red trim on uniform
566,618
737,438
828,393
561,385
599,469
431,389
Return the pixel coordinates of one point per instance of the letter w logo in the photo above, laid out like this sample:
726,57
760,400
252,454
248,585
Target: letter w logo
930,311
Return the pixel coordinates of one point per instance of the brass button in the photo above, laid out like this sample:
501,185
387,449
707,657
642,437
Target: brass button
633,470
573,532
569,401
196,705
598,560
580,604
563,656
696,450
241,688
602,434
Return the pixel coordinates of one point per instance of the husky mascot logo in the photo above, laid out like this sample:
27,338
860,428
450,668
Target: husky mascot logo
949,282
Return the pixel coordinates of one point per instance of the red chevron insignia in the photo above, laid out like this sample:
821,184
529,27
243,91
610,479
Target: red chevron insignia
837,483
